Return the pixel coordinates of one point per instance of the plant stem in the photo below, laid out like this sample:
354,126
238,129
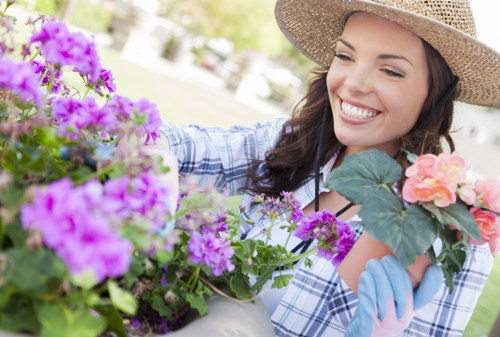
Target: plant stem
291,259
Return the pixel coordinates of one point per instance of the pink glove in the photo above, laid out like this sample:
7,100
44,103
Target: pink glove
387,302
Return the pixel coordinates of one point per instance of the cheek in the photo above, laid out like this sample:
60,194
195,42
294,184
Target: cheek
333,78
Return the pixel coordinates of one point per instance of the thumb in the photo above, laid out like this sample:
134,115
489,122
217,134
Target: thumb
428,287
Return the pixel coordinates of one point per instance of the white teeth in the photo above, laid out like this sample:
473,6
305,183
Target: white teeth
354,112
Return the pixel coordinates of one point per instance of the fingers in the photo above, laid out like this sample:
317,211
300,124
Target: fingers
400,284
430,284
367,308
384,293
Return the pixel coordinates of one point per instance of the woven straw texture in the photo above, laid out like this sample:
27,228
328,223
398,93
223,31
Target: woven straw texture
313,27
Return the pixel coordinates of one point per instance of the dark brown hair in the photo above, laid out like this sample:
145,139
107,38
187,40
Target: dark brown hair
291,161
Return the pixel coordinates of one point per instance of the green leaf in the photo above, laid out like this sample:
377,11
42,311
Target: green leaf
456,215
158,304
197,302
58,320
11,195
135,270
122,299
363,173
281,281
409,232
19,316
240,285
16,233
34,272
114,320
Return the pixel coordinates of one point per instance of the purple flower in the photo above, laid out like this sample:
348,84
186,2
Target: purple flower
135,322
105,80
40,68
63,48
209,250
153,120
344,243
19,78
120,106
335,237
76,224
73,115
144,195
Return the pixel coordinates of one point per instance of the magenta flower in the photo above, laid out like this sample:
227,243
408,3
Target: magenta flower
120,106
209,250
75,223
153,120
105,80
335,238
40,68
63,48
19,78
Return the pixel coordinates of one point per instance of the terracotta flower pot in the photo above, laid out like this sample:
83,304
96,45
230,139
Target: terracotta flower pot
367,248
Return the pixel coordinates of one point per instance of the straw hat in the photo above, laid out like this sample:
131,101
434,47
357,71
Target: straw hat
313,27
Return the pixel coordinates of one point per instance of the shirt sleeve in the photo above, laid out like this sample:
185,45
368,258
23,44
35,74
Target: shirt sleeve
448,314
221,156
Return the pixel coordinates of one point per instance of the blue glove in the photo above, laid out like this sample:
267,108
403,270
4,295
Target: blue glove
387,302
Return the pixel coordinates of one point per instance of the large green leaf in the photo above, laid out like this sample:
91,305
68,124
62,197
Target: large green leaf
364,173
456,215
240,285
58,320
34,272
409,232
198,302
114,320
122,299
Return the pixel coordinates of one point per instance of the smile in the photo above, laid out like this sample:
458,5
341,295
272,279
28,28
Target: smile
356,112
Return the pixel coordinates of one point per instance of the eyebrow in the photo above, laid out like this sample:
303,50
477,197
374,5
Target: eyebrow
381,56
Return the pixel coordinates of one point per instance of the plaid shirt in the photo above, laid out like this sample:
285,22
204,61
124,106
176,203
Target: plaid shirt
316,302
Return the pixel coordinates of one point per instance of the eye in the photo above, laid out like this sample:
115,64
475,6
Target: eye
393,73
343,57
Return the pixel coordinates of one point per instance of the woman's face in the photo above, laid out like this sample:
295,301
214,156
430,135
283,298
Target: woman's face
377,83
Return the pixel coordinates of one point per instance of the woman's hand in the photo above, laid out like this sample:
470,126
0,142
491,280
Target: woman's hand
387,302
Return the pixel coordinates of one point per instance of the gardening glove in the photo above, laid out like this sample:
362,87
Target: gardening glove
387,302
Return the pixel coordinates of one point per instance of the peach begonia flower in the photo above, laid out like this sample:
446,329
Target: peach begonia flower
429,189
451,168
488,193
489,228
423,166
467,194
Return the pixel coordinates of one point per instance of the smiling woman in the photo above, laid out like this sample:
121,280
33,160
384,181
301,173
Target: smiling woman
389,74
377,85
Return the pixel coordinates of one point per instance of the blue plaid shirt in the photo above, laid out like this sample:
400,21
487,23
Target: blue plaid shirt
316,302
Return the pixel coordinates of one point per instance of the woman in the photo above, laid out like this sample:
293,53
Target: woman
390,72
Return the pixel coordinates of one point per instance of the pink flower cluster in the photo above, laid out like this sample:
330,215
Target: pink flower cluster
21,80
335,237
210,250
63,48
82,223
435,179
73,222
74,115
440,179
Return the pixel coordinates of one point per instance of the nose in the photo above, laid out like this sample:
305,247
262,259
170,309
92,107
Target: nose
357,79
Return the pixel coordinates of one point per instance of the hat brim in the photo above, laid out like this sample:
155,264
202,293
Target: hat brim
313,27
